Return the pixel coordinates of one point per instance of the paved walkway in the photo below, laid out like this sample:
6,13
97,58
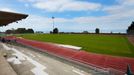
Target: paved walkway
5,68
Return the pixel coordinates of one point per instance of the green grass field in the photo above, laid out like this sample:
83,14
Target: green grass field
105,44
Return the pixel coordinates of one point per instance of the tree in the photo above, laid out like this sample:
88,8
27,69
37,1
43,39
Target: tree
55,31
30,31
130,29
9,31
97,30
21,30
51,32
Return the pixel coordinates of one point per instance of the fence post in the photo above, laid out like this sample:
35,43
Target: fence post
129,72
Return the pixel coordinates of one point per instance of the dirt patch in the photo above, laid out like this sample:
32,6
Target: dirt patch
131,39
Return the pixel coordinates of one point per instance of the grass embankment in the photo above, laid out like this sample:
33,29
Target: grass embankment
105,44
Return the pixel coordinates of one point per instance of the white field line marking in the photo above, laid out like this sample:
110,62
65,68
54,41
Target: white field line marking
70,46
38,70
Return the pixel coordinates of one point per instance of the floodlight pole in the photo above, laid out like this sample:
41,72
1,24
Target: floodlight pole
53,21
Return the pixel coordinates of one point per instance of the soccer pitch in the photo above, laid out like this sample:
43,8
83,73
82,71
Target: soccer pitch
117,45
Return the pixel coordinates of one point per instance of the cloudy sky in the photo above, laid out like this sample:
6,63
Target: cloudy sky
72,15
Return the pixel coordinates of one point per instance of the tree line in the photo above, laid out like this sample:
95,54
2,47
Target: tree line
19,31
56,31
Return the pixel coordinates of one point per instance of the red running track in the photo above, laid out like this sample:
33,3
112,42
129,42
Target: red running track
91,59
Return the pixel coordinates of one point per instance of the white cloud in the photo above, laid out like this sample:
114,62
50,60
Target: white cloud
119,16
63,5
28,0
7,9
80,6
39,23
126,2
122,13
124,7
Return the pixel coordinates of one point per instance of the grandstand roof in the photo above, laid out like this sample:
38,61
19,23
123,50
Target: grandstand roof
9,17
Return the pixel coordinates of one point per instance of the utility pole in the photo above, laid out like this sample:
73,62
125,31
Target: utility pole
53,21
